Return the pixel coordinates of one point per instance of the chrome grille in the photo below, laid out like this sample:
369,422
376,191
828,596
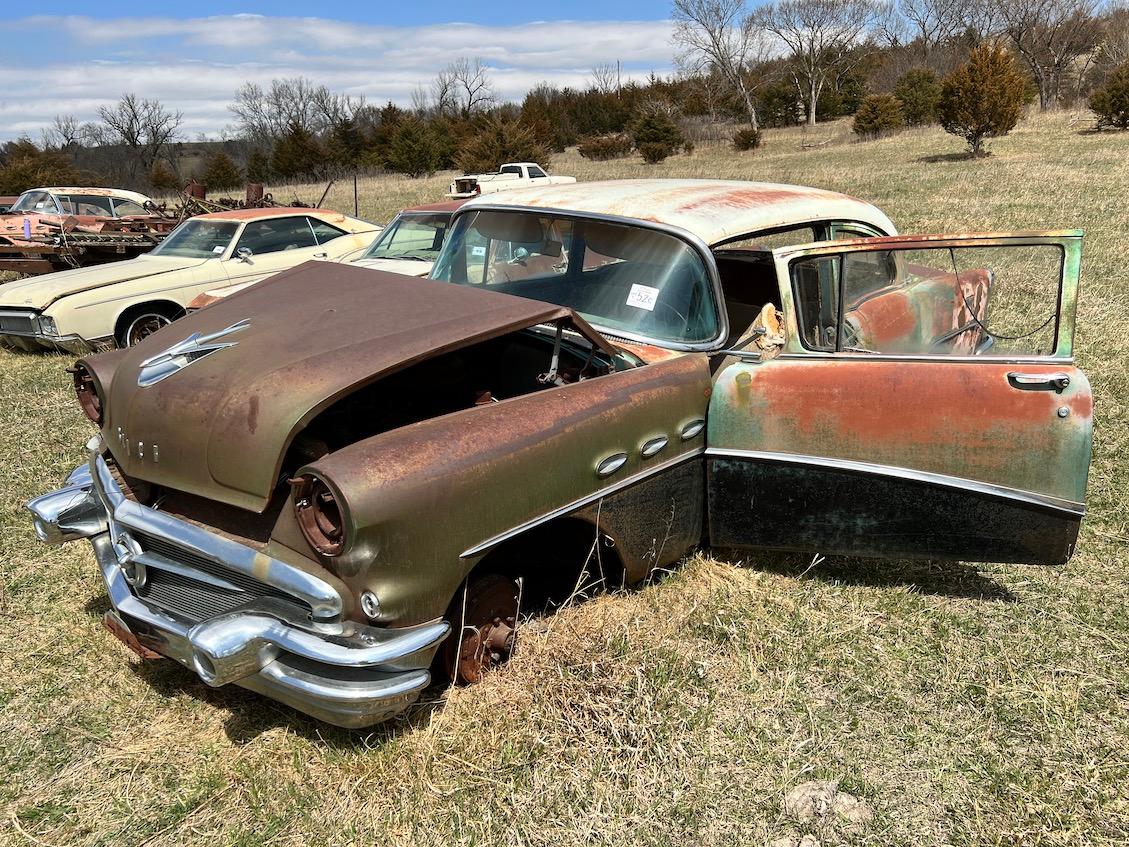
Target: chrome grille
198,599
10,322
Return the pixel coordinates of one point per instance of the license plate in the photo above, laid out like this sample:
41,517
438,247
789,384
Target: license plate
113,622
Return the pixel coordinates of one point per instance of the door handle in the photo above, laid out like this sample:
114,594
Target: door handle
321,255
1055,382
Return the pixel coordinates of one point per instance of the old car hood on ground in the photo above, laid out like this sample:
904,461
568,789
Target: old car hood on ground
40,292
219,421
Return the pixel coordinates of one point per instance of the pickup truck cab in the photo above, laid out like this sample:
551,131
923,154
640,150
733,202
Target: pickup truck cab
509,176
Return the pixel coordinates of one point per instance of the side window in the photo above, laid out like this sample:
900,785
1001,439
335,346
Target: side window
272,236
815,285
777,238
977,300
127,208
536,173
323,232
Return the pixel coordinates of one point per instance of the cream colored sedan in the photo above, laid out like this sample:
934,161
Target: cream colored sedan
121,303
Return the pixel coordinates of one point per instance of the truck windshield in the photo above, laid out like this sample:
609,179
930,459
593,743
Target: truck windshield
623,279
197,239
412,236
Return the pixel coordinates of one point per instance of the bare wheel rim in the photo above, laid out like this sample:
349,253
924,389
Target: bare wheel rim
485,639
143,326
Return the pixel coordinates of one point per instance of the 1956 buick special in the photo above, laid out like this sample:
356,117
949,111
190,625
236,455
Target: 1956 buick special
305,489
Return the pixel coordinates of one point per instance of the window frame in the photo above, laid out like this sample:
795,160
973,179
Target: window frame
1068,242
243,233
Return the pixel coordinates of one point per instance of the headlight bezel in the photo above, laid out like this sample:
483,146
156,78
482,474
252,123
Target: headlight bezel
88,393
321,513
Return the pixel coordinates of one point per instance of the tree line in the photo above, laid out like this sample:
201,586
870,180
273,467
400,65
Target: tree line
739,69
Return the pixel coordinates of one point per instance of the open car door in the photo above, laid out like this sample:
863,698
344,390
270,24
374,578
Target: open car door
924,404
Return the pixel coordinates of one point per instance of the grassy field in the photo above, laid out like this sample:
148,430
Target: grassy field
965,704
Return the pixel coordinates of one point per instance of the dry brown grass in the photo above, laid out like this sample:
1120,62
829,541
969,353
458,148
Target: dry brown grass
967,705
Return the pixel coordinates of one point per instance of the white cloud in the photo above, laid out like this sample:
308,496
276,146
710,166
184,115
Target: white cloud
196,65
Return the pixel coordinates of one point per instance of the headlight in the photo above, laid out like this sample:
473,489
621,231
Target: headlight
87,392
320,516
47,325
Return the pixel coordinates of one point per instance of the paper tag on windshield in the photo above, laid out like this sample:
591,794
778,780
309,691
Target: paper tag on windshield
643,297
217,250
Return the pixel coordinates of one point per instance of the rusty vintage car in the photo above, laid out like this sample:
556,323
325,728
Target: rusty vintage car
306,488
51,229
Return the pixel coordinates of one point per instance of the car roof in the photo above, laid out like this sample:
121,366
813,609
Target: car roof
714,210
269,212
141,199
448,206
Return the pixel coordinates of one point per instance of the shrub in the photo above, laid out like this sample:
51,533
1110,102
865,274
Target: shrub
162,178
24,166
919,89
413,149
878,114
654,152
982,98
657,128
220,172
258,166
602,148
495,140
1110,103
297,153
747,139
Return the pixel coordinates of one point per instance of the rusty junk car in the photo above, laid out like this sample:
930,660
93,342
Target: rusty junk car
51,229
324,492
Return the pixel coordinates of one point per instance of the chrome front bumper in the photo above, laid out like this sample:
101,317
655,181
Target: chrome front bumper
334,669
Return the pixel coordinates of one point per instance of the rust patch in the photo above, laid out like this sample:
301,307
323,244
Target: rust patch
253,413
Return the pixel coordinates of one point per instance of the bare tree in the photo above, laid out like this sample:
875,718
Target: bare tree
65,133
1051,35
823,37
266,114
142,126
721,36
604,77
465,83
933,22
443,93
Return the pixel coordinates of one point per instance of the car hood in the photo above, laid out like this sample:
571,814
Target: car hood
220,426
39,292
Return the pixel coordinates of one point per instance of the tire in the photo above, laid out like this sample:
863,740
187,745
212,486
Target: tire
139,326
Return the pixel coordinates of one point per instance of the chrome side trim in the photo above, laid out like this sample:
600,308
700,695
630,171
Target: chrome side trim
1044,501
905,357
580,503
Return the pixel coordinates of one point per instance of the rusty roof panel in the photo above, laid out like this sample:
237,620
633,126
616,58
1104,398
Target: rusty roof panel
713,210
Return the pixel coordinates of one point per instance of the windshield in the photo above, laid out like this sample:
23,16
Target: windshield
412,236
197,239
36,201
621,278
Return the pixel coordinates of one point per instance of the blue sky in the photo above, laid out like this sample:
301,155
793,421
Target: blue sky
193,58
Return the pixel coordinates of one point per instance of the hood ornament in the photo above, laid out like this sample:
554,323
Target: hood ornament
184,353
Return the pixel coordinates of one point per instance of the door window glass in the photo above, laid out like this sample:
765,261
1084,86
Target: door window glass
536,172
780,238
127,208
323,232
275,235
979,300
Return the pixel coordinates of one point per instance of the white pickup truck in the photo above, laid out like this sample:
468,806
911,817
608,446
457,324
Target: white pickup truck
510,175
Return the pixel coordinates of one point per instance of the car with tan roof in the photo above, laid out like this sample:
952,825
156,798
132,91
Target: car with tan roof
342,481
122,303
